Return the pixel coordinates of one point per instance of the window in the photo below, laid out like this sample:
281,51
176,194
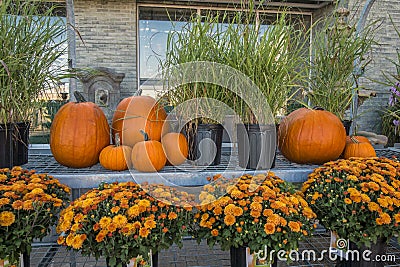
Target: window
156,22
154,26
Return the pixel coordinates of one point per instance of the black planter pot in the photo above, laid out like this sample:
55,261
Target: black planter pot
6,146
379,248
205,142
347,125
256,146
239,257
154,259
27,259
20,143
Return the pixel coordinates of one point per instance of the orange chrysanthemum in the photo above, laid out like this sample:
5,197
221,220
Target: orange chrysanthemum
255,213
238,211
101,235
256,206
229,220
294,226
172,215
268,212
120,221
144,232
348,201
7,218
105,222
115,209
78,241
372,206
214,232
274,218
397,217
384,218
151,224
269,228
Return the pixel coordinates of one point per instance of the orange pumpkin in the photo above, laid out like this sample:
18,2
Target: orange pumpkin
148,155
175,148
137,113
115,157
78,133
357,148
311,136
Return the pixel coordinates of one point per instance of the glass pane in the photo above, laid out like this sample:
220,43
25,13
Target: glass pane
154,26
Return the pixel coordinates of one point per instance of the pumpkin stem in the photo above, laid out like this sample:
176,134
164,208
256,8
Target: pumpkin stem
79,97
318,108
354,139
117,140
138,92
145,135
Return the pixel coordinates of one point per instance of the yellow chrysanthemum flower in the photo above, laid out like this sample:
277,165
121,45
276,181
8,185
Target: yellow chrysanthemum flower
294,226
151,224
229,220
105,222
133,211
7,218
348,201
120,221
144,232
269,228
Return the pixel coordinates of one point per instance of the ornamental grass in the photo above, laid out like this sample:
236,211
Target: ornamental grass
253,211
29,205
358,198
121,221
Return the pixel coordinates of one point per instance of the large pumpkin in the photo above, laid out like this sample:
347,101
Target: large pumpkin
78,133
175,148
137,113
357,148
311,136
148,155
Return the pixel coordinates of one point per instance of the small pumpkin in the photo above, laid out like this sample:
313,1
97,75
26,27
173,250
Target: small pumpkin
115,157
148,155
358,149
311,136
136,113
78,133
175,147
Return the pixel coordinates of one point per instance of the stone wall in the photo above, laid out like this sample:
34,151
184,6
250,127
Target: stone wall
388,42
108,32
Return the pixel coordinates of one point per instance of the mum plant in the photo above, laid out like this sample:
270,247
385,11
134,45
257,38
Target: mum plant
359,198
121,221
29,205
258,212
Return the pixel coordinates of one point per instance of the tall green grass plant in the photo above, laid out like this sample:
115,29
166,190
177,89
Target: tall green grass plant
272,57
32,40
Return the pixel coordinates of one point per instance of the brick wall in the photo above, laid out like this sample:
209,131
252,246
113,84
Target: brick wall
108,30
388,43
